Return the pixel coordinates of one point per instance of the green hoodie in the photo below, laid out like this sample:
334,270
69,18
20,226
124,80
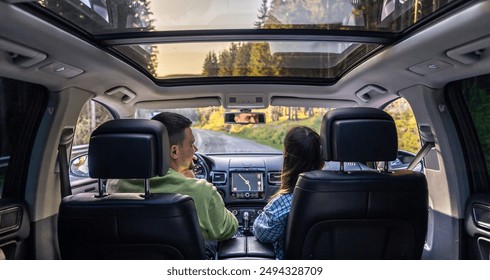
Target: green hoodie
215,221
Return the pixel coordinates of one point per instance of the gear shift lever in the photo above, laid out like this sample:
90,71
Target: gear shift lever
246,223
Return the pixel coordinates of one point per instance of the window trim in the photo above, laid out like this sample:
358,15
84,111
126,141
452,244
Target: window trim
473,154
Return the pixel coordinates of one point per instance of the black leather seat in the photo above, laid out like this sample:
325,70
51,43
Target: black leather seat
359,214
129,225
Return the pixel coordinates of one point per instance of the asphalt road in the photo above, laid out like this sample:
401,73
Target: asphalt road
208,141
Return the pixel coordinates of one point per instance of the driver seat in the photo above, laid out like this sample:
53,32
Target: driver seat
368,214
129,226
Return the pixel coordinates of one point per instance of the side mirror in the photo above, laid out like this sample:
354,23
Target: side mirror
79,166
403,160
244,118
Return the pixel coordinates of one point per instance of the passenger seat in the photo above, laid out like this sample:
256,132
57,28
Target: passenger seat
362,215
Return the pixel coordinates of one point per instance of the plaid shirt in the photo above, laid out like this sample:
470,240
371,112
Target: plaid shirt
270,225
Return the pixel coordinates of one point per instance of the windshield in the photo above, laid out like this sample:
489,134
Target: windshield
214,136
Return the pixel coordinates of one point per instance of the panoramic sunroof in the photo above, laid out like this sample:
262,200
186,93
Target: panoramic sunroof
308,59
179,39
120,16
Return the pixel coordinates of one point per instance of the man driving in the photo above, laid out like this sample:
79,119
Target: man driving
246,118
216,222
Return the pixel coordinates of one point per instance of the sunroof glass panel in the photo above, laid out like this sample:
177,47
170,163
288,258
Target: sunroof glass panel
310,59
119,16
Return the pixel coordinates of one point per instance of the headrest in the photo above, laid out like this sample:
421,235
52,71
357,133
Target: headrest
129,149
359,135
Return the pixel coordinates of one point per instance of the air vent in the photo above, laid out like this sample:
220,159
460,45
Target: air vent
274,178
218,177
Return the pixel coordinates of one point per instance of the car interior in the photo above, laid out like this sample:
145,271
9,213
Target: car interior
236,69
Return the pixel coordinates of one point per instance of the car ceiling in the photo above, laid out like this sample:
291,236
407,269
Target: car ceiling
449,43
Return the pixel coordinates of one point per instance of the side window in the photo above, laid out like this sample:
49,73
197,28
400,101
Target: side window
91,116
21,107
406,125
469,103
476,93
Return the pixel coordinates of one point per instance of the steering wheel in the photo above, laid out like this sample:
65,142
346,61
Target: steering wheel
201,168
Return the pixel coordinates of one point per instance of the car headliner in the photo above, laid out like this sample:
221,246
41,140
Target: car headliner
393,68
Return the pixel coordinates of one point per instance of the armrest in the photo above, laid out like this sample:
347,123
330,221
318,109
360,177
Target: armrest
232,248
256,248
245,247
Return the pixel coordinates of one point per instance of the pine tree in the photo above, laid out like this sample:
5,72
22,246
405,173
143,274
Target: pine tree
210,67
225,64
262,16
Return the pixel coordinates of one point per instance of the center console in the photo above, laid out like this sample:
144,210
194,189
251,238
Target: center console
245,184
247,189
244,245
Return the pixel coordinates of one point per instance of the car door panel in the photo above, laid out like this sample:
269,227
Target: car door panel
14,230
478,225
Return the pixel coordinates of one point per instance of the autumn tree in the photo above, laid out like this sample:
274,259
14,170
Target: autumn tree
91,116
406,125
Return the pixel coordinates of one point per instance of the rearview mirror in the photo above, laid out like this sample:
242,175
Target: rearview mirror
244,118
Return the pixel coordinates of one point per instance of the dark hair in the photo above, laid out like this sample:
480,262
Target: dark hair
176,124
301,154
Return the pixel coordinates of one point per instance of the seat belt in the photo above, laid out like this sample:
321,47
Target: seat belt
421,154
65,141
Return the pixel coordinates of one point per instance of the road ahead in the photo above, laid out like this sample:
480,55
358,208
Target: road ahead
216,142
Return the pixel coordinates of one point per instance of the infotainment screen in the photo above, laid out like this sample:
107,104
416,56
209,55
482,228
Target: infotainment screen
247,182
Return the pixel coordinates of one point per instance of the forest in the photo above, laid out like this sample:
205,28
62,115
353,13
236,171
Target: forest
280,119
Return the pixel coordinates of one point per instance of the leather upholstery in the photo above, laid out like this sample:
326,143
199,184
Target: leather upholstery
364,214
129,149
129,225
363,134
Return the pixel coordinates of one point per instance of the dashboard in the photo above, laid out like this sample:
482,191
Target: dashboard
241,179
246,181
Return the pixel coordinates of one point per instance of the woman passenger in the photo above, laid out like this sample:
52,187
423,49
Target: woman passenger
301,154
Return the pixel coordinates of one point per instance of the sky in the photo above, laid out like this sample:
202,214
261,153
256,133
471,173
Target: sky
193,14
